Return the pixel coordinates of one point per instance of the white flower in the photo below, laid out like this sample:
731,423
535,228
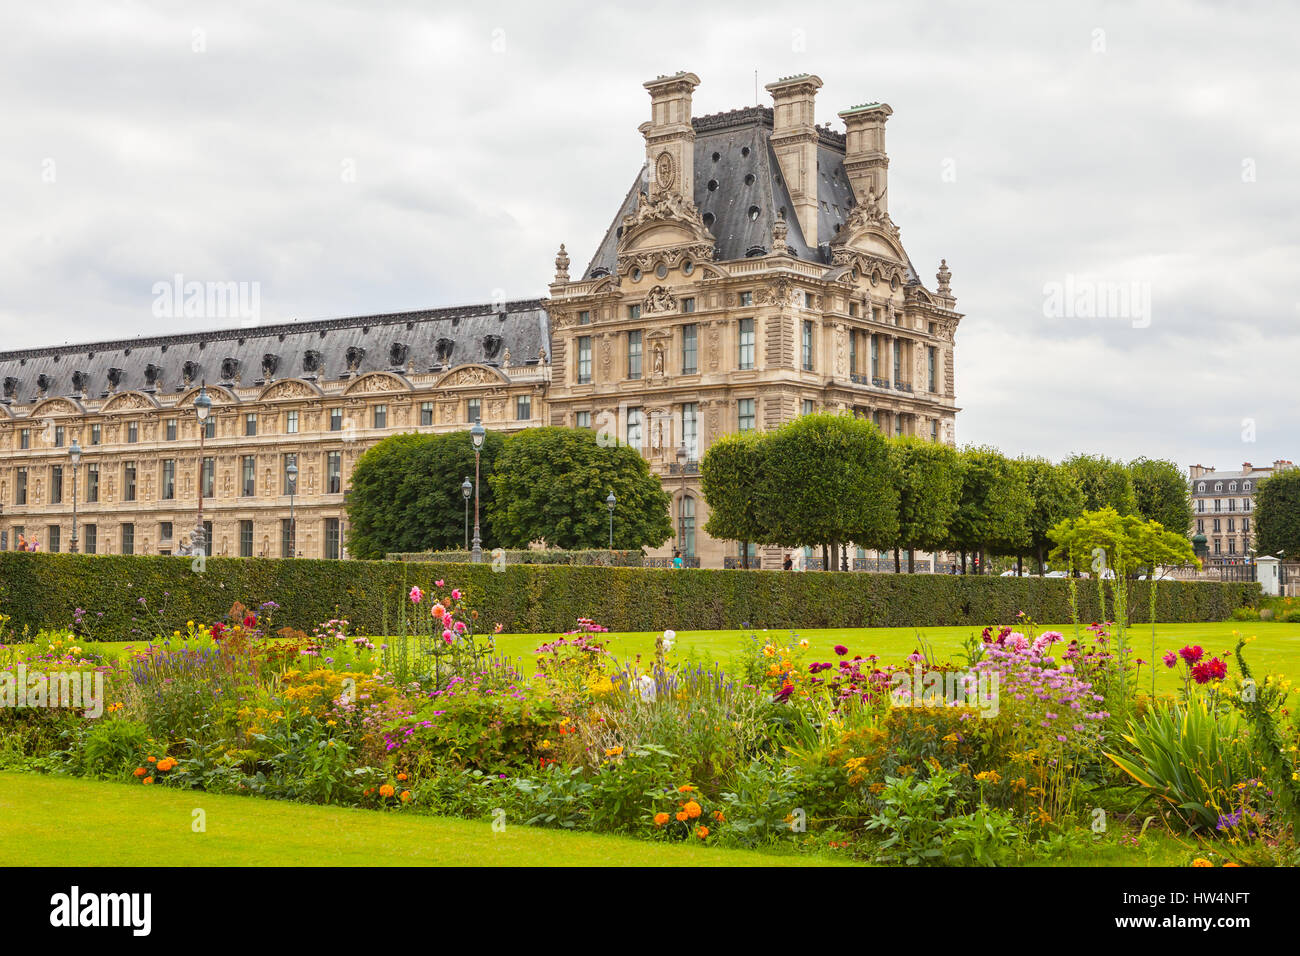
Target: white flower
646,686
669,637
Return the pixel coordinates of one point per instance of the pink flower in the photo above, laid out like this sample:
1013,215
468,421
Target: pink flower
455,594
1192,654
416,594
447,636
1170,659
437,584
460,627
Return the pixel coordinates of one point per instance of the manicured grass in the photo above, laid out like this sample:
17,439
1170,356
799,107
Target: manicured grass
1276,648
61,821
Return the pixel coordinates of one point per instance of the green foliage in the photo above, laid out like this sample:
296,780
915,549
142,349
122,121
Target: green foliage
1056,497
112,748
993,510
42,590
550,484
929,484
1129,543
729,476
601,557
1161,493
1277,514
406,492
1103,482
827,478
1189,757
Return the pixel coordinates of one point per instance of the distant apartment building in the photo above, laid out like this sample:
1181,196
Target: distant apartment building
1223,509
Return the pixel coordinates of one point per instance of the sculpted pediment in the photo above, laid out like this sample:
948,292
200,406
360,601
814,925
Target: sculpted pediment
57,406
378,382
287,389
472,375
129,401
667,229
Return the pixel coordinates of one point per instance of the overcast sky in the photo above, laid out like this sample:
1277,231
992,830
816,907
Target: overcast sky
358,158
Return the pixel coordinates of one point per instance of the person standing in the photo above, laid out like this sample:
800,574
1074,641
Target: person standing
788,563
677,559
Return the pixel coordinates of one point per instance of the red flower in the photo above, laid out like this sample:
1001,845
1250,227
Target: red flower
250,621
1192,654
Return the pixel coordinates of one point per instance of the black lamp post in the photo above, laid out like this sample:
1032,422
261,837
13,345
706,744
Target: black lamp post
609,503
682,456
74,453
292,473
466,489
476,435
202,408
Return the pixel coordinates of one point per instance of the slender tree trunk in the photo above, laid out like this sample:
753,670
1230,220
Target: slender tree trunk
898,568
911,560
963,560
1042,563
744,555
1020,565
826,559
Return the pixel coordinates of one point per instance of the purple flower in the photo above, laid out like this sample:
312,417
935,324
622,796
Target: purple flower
841,650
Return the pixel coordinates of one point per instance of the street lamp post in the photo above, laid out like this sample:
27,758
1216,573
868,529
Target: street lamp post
291,471
202,408
476,435
466,489
682,455
74,453
609,503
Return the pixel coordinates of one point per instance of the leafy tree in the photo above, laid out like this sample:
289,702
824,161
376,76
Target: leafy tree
406,495
828,479
929,485
994,504
729,477
1104,483
1162,493
550,484
1055,496
1277,514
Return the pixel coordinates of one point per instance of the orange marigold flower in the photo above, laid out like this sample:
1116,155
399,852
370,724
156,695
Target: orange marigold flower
140,771
406,796
692,809
151,759
661,818
717,815
386,790
1226,865
401,776
681,816
686,788
148,779
1201,861
702,832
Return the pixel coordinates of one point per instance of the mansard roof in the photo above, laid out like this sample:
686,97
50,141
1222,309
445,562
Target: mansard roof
324,350
740,192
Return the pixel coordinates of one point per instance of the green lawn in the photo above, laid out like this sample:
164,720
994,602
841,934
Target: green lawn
1276,648
61,821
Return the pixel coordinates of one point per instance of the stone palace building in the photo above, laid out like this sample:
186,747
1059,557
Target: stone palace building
751,274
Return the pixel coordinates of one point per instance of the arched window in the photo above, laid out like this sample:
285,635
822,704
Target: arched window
1232,486
1200,487
1245,486
1218,486
686,525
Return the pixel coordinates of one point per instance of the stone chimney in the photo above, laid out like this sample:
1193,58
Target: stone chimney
865,161
794,141
669,136
1246,468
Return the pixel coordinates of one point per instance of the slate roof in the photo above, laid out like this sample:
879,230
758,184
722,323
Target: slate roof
435,339
741,190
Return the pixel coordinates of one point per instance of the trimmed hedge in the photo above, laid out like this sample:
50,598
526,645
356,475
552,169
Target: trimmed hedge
591,557
42,590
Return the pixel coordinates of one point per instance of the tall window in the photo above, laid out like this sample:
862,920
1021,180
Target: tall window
128,481
853,351
291,422
56,484
686,517
898,361
635,422
688,305
426,413
474,410
132,432
60,432
20,487
875,356
634,354
690,428
746,357
286,538
209,477
95,433
171,429
24,438
381,416
934,429
932,368
248,478
807,345
245,539
336,419
210,427
332,539
807,406
333,472
746,299
634,312
128,538
168,479
250,424
289,459
52,538
91,533
745,414
584,359
92,483
582,419
523,407
690,349
164,531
